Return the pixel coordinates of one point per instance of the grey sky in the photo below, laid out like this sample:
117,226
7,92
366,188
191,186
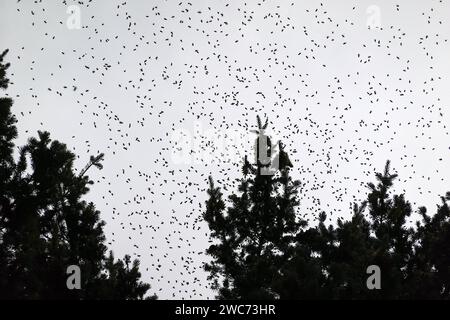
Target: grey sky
344,98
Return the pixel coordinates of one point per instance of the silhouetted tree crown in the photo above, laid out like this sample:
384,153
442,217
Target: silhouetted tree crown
262,249
46,226
254,236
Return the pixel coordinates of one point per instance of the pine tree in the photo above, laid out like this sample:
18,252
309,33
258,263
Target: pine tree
393,245
254,235
8,133
375,235
122,280
46,226
338,257
430,267
261,250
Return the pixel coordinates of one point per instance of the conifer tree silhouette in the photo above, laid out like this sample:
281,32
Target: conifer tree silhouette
8,133
430,265
46,226
254,235
262,250
331,262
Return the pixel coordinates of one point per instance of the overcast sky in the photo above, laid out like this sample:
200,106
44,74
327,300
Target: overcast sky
346,85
